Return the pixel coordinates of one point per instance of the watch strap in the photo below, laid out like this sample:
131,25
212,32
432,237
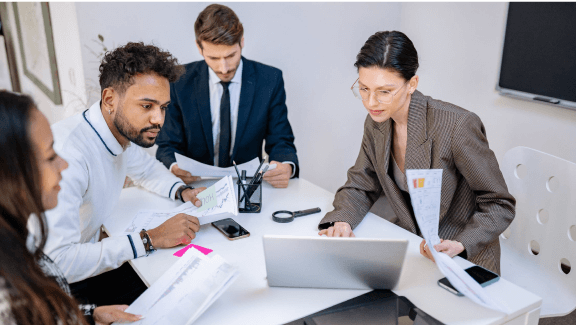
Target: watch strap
148,245
181,189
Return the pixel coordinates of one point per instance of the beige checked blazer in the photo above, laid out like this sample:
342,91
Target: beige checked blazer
475,206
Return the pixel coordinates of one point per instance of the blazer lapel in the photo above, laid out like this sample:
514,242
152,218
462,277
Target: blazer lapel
418,146
246,98
201,99
383,139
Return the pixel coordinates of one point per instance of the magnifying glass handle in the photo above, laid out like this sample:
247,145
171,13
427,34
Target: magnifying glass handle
306,212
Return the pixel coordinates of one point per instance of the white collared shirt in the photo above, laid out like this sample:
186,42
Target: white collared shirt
216,91
91,186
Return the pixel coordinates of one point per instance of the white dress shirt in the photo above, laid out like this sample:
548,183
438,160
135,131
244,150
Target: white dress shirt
91,186
216,91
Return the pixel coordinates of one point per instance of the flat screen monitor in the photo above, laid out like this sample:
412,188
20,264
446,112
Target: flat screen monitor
539,53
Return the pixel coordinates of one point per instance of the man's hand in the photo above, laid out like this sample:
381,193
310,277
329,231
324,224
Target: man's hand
105,315
184,175
180,229
449,247
279,176
190,195
340,229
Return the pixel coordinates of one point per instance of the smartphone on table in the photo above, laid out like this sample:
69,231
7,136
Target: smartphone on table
481,275
231,229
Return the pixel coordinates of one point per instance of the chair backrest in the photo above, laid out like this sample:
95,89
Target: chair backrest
539,247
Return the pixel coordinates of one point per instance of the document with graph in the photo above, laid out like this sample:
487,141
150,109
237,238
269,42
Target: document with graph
185,291
425,187
218,202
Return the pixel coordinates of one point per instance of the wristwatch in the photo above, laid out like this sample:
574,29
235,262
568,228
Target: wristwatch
180,190
148,246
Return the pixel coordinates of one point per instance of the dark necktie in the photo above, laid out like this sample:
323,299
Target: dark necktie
225,129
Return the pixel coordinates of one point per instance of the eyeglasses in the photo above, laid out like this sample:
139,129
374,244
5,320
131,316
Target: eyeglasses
382,96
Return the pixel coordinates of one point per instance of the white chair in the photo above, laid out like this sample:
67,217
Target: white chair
539,247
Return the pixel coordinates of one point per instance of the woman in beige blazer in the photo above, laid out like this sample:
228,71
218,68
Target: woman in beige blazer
405,129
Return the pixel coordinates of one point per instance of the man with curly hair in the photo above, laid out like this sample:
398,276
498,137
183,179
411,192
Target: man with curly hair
103,145
226,107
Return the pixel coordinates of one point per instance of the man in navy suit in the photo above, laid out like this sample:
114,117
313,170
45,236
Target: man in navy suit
226,106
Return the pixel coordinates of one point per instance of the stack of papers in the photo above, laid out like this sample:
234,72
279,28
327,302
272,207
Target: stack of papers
199,169
425,187
218,202
185,291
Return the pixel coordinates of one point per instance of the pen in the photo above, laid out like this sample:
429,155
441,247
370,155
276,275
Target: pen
255,180
263,172
239,180
257,170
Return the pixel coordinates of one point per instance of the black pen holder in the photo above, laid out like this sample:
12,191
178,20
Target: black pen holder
249,197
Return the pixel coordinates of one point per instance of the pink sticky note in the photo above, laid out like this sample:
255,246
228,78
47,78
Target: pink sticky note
201,249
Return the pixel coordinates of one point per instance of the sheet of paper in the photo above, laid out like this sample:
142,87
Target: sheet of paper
226,205
197,168
150,219
185,291
218,202
208,198
425,187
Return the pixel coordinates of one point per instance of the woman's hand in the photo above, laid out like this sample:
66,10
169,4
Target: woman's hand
449,247
340,229
105,315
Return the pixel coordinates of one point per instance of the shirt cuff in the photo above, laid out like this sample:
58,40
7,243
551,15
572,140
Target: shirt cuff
293,167
174,189
170,169
136,243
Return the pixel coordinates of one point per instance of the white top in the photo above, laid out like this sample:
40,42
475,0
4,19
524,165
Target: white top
216,91
91,186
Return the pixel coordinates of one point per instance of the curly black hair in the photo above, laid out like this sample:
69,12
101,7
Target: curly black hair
118,67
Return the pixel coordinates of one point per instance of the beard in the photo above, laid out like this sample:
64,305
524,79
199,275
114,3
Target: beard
131,133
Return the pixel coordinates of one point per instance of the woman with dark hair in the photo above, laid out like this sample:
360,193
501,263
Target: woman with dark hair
408,130
32,289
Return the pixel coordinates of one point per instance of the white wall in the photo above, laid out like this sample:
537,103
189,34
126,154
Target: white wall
68,60
315,45
459,45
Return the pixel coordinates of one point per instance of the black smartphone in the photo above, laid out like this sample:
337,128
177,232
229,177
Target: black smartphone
231,229
478,273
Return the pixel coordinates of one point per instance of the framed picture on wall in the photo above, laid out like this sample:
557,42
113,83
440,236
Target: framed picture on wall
37,47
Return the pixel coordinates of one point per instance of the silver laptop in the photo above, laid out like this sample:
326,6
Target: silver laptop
339,263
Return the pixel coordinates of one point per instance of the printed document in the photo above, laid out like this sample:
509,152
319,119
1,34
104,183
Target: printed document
218,202
185,291
425,187
197,168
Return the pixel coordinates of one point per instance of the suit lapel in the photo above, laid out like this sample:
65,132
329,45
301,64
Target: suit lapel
418,146
201,99
246,98
383,139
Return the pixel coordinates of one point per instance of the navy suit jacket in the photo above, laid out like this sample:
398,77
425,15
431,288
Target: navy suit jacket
262,115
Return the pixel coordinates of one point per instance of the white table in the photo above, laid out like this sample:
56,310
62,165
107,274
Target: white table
251,301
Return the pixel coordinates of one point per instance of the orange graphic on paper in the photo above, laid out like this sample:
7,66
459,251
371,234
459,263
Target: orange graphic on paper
418,182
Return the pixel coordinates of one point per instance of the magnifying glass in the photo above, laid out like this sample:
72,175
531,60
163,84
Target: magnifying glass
284,216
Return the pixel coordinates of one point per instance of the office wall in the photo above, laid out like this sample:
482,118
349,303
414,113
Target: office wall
459,45
68,60
315,44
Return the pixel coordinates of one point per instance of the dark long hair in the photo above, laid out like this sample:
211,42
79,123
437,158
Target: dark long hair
34,298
